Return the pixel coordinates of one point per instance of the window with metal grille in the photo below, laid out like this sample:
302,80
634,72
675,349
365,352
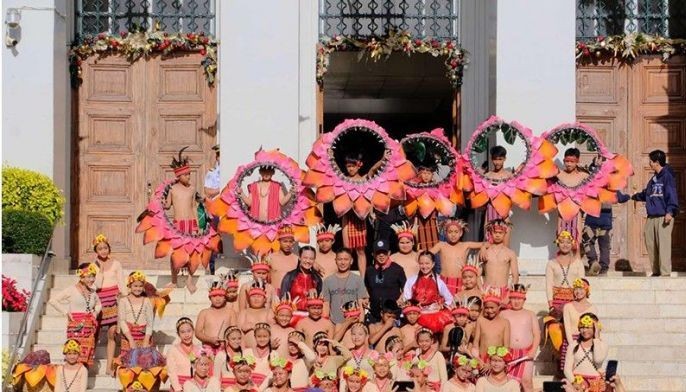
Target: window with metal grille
612,17
366,18
113,16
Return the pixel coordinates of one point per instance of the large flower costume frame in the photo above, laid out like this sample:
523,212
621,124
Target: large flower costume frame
609,175
366,194
235,219
442,195
528,180
187,250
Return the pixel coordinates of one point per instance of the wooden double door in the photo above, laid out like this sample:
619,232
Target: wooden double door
130,120
637,109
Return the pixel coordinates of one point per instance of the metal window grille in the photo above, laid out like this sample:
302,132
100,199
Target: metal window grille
611,17
367,18
97,16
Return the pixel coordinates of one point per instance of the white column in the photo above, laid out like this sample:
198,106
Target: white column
535,85
267,76
36,97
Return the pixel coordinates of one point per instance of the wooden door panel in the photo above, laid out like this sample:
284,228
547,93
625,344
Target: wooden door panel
132,119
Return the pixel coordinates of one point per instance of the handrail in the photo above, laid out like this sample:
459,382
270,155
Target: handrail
19,344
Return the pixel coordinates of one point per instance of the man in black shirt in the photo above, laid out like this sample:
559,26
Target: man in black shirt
384,281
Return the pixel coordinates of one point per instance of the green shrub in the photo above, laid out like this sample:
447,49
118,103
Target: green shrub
25,231
31,191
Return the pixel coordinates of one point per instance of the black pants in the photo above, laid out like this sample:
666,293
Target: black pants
603,238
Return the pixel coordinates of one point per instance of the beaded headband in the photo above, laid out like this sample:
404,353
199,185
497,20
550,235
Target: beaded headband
182,321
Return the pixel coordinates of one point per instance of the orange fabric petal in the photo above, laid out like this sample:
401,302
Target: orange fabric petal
325,194
606,196
228,226
301,233
314,178
406,171
155,370
362,207
126,376
536,186
381,201
194,262
261,245
242,240
342,204
147,379
152,234
411,208
547,149
568,209
179,258
617,182
35,376
478,199
218,208
522,199
591,206
502,205
311,160
547,169
144,224
205,257
312,216
162,249
426,205
51,374
445,206
163,374
546,203
20,369
457,197
396,190
213,242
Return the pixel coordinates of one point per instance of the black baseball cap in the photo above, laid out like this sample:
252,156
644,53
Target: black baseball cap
381,246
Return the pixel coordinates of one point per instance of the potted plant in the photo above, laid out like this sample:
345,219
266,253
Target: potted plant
14,303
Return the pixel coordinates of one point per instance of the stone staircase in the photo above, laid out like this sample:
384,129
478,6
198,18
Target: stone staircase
644,322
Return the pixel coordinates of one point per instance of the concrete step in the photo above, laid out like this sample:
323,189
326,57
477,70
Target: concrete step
177,309
673,383
626,368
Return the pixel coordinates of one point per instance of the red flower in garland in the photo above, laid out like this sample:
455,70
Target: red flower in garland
13,300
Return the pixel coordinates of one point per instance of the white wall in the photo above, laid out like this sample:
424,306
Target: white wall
267,75
535,85
36,96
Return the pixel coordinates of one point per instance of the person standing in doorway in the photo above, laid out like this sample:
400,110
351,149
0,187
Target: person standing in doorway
662,206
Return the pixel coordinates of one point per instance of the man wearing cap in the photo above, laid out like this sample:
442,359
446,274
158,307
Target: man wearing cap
384,281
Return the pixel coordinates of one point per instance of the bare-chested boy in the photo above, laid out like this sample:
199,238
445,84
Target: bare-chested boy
281,326
352,313
498,173
449,342
491,329
571,176
474,305
453,253
381,331
213,321
265,197
470,282
525,337
408,332
314,322
260,269
325,262
284,260
406,256
232,291
256,312
499,261
182,198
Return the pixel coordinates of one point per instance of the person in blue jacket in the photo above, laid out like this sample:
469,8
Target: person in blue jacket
662,206
597,229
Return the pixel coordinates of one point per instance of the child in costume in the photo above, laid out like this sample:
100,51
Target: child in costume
498,173
359,334
262,352
71,376
324,361
491,329
281,325
280,377
83,307
260,269
475,305
525,337
135,315
471,273
222,363
453,253
202,381
406,256
182,198
394,345
411,312
257,312
283,260
314,322
302,358
232,290
431,293
382,378
326,257
497,379
326,382
181,355
356,380
461,381
427,228
499,261
109,283
560,273
586,356
212,321
418,371
379,332
266,197
572,311
354,227
243,367
454,337
427,352
571,176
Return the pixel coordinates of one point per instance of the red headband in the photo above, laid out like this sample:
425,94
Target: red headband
260,267
257,291
470,268
325,236
460,310
284,306
315,301
411,308
232,284
217,292
182,170
491,298
517,294
351,313
406,234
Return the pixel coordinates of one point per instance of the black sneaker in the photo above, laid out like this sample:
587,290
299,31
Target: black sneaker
603,271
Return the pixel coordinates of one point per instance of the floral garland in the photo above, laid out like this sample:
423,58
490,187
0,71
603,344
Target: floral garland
378,47
137,44
627,47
